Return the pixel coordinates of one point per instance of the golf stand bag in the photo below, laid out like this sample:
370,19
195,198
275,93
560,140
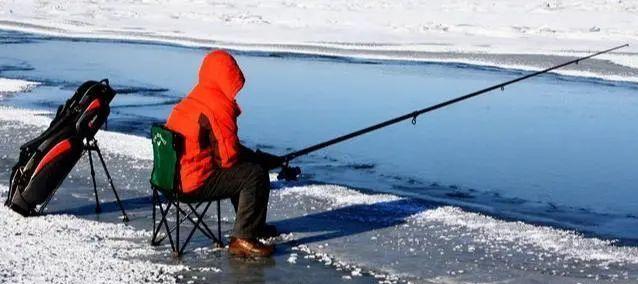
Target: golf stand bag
45,161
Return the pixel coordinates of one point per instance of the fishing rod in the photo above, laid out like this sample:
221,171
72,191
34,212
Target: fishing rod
288,172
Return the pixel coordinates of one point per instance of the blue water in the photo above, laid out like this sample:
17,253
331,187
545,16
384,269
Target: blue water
556,150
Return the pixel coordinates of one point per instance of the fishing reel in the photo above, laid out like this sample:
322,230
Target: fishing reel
289,173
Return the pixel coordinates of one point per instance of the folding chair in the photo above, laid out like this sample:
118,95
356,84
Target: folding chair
165,181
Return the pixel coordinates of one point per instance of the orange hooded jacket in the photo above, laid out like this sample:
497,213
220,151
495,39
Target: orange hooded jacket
207,119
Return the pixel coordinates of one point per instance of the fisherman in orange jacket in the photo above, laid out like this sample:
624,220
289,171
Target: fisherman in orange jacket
213,163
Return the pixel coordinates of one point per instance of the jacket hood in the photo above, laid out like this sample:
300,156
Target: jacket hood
220,70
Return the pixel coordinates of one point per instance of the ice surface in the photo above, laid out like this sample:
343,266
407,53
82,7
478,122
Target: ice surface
412,240
360,234
542,148
408,30
488,229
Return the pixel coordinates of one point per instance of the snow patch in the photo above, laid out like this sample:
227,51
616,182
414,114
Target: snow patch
28,117
486,230
567,243
292,258
15,86
114,142
66,249
351,270
337,195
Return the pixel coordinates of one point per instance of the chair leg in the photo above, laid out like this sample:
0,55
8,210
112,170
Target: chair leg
203,227
164,220
199,224
190,235
177,250
158,226
154,203
220,242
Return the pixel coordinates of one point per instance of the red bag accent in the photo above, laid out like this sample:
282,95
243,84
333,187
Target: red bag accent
96,103
57,150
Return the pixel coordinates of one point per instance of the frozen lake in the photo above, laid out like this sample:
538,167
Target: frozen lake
554,150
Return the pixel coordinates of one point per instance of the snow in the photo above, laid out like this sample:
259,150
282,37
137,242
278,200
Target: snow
30,117
488,230
292,258
443,239
124,144
66,249
569,244
14,85
406,30
338,196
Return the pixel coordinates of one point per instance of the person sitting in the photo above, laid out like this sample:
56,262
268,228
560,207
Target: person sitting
214,164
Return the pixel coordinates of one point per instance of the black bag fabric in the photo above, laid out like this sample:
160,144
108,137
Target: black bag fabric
45,161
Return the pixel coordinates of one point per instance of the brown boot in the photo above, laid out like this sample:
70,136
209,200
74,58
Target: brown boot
249,248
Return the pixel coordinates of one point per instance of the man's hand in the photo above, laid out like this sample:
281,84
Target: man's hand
269,161
289,173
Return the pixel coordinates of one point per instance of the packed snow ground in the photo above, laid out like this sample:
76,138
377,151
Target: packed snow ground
467,31
67,249
383,235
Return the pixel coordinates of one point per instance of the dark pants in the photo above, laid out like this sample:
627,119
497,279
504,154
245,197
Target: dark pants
248,186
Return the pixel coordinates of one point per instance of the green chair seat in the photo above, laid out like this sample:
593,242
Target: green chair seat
165,159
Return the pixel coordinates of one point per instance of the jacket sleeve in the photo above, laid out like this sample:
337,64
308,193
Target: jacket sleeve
225,131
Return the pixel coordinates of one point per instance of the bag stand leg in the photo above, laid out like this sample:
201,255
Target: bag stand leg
91,145
98,209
